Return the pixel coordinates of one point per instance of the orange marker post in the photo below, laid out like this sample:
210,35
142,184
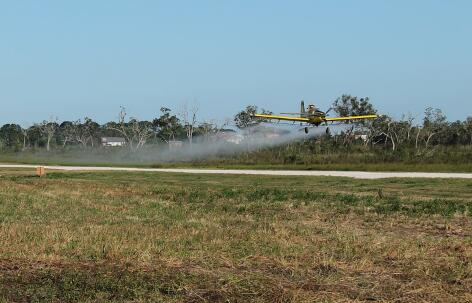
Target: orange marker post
40,171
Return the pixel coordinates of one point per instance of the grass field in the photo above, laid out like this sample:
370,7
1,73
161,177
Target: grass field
147,237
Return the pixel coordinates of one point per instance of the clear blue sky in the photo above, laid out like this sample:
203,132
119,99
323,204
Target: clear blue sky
86,58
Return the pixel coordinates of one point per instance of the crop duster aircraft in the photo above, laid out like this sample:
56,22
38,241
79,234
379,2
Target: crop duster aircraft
312,116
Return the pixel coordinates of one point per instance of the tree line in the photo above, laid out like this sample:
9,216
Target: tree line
385,132
409,132
86,133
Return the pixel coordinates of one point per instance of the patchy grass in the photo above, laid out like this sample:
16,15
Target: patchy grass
147,237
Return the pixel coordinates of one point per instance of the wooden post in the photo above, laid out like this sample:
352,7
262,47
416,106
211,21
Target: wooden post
40,171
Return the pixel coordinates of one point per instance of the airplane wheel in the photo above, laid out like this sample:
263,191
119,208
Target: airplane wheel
306,130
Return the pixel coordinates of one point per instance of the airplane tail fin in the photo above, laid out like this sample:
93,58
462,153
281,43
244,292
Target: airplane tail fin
302,109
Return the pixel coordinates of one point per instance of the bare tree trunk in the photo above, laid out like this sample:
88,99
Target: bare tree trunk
347,136
409,135
48,128
48,144
429,138
399,141
417,138
189,117
24,141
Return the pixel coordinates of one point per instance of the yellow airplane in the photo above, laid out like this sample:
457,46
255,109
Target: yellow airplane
313,116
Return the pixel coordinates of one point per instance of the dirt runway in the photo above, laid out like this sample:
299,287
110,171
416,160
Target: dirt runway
312,173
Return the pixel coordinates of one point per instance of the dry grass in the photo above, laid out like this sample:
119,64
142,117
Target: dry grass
95,237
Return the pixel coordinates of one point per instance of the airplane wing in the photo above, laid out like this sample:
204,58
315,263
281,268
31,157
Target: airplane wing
349,118
283,118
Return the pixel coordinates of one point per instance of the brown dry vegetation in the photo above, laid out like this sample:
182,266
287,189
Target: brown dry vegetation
144,237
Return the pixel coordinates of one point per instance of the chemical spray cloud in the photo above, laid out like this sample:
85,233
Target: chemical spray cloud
247,140
202,148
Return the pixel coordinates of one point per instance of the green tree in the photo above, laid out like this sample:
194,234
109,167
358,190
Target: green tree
86,133
468,129
48,129
66,132
135,132
434,123
11,135
35,136
167,127
348,105
245,118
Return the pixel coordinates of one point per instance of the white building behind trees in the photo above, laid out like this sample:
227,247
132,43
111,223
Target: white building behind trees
113,141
